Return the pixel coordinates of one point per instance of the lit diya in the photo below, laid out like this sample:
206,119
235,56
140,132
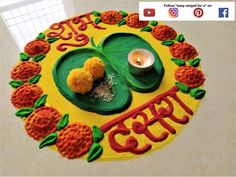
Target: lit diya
140,61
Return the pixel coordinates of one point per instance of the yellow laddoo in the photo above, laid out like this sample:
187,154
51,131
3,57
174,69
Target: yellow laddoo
80,81
95,66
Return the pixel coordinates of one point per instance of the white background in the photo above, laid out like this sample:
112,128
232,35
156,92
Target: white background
186,13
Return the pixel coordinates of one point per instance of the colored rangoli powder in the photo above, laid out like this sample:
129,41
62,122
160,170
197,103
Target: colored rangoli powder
37,47
133,21
74,141
183,50
126,115
189,76
163,32
111,17
25,70
26,95
42,122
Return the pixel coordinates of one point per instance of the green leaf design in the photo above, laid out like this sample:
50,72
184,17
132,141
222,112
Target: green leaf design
95,152
24,56
180,38
35,79
117,46
197,93
178,61
194,62
113,51
41,101
97,20
122,22
182,87
124,14
16,83
24,112
52,39
40,36
48,140
39,57
70,61
63,122
153,23
96,13
168,42
146,29
98,135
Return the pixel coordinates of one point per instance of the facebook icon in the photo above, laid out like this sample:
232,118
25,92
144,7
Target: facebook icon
223,12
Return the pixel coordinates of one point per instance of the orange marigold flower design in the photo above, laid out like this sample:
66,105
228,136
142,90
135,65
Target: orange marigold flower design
190,76
42,122
111,17
183,50
37,47
74,140
26,95
132,20
25,70
163,33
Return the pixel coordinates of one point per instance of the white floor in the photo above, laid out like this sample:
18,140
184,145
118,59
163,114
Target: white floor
206,147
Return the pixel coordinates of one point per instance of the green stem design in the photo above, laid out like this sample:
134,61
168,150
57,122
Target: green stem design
92,42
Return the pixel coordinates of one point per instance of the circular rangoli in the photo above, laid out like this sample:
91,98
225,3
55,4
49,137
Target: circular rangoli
74,90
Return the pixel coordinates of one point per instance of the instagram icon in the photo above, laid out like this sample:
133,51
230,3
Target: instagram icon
173,12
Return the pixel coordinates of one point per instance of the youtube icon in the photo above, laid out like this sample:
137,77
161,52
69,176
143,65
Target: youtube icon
148,12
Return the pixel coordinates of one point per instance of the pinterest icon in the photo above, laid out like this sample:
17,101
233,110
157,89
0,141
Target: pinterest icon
198,12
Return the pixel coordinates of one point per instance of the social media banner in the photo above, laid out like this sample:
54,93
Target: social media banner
187,11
